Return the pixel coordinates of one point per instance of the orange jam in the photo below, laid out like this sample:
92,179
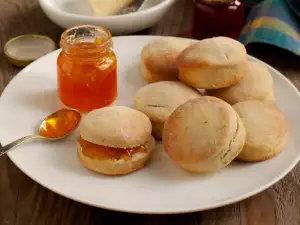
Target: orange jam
103,152
87,68
60,123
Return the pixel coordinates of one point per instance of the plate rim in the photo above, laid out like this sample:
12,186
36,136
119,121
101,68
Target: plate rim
213,205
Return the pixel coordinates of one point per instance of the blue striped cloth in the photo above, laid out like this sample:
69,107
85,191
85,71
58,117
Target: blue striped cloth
275,22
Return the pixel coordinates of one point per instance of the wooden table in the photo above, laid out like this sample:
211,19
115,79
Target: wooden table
24,202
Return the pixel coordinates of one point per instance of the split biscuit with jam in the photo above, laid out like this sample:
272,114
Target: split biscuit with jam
115,140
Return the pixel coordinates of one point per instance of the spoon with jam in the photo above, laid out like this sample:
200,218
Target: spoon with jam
54,127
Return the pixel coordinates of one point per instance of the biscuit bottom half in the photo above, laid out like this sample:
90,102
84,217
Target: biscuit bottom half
113,161
101,152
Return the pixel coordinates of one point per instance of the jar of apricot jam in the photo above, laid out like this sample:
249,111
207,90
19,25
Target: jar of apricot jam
87,68
217,18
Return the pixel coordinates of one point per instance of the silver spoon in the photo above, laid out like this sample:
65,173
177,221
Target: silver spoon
148,4
133,7
139,5
54,127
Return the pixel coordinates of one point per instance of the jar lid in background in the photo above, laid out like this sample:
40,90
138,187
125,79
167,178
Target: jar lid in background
24,49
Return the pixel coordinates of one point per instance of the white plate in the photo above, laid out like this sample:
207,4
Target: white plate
68,13
161,187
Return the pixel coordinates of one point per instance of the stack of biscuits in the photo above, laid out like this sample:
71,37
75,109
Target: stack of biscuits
209,104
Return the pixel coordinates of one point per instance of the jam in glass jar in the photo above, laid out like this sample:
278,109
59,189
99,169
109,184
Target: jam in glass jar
214,18
87,68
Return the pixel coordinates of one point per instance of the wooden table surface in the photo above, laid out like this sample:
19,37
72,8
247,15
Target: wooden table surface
24,202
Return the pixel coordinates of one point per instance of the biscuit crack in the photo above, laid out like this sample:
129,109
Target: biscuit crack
226,55
157,106
232,140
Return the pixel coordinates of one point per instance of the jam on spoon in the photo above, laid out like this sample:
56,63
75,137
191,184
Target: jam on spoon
54,127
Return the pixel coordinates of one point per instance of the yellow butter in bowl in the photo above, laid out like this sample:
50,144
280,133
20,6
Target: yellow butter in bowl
108,7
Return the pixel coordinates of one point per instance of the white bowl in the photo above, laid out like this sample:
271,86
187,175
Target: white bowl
69,13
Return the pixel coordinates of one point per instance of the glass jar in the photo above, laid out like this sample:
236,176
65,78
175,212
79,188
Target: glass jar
87,68
214,18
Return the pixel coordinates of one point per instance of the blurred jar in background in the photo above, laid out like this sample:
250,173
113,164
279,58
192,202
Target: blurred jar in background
217,18
249,5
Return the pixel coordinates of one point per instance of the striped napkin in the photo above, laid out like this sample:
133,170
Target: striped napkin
275,22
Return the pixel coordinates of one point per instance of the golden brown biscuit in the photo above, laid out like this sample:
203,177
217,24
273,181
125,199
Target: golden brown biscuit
158,100
256,85
213,63
158,58
266,127
203,135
